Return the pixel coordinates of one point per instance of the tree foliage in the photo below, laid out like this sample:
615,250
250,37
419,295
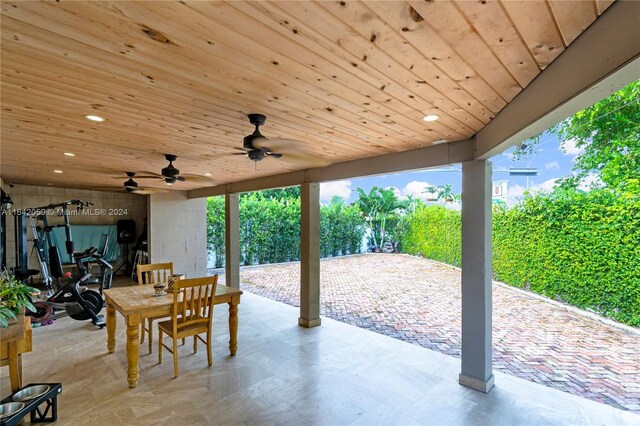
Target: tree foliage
609,134
382,210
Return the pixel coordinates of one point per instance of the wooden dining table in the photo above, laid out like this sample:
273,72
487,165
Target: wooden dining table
136,303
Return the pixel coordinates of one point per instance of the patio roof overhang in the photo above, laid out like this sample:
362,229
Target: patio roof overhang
350,80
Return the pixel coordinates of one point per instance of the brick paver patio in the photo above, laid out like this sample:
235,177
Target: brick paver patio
418,301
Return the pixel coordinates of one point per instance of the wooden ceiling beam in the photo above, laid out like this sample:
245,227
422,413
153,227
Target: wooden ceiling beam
416,159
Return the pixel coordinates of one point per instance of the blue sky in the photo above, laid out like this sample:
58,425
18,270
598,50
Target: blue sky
550,159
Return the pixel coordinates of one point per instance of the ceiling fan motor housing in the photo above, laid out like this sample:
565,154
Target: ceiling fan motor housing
256,154
170,171
131,184
247,142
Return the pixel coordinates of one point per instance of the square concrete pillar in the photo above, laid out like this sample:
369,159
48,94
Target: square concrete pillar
310,255
477,367
232,240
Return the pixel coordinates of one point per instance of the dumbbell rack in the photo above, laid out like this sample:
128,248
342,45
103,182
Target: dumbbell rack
32,406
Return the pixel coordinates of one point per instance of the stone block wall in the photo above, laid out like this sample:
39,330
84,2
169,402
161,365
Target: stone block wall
178,232
116,205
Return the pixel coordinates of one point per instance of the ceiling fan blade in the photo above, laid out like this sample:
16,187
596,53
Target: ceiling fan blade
240,149
150,175
305,159
197,178
107,188
278,144
274,154
238,153
147,191
180,178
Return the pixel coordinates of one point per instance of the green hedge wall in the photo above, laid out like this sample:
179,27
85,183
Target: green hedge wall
270,228
582,248
433,232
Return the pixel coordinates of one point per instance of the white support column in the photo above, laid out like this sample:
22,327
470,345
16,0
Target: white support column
232,240
310,255
477,368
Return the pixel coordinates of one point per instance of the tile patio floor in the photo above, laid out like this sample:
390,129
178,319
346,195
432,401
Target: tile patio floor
418,301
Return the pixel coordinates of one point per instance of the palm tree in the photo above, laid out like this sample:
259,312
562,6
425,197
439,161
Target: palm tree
445,193
389,205
369,205
430,191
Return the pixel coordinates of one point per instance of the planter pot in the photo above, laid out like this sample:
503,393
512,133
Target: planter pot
15,330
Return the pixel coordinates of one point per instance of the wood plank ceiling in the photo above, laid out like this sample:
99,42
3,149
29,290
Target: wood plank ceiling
347,79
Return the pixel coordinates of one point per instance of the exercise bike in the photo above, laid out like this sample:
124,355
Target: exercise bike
106,269
72,298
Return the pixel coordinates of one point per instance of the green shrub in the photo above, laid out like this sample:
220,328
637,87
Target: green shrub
582,248
215,229
270,227
434,232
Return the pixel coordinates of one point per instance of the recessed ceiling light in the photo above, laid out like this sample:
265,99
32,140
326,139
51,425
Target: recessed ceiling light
430,117
208,174
69,154
439,141
57,171
94,118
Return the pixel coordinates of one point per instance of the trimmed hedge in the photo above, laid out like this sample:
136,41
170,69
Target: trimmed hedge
434,232
582,248
270,228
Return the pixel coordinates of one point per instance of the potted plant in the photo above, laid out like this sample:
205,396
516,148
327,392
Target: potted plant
15,296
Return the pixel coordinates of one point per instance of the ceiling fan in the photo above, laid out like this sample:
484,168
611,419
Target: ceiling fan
170,174
132,187
257,147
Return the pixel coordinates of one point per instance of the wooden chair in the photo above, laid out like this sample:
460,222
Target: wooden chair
192,315
151,274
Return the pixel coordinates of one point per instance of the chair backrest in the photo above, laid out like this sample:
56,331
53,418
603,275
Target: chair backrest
154,273
193,302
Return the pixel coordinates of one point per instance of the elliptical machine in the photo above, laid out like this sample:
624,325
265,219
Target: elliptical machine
73,298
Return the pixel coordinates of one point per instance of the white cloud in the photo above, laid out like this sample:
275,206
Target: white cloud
508,155
589,181
552,165
340,188
568,146
545,186
417,189
515,194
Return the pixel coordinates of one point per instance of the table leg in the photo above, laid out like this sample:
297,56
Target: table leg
111,328
133,347
233,327
15,367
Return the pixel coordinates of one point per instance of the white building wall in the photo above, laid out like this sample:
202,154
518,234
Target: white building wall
178,232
